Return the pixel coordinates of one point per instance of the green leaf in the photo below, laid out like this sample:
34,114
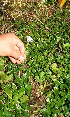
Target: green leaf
54,67
8,92
66,45
24,98
42,74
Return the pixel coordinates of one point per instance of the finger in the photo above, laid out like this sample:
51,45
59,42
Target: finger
13,60
16,55
21,59
16,48
21,47
18,62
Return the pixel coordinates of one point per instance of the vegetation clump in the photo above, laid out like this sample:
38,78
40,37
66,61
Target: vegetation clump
40,87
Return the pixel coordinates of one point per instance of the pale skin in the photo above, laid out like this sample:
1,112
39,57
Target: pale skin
13,47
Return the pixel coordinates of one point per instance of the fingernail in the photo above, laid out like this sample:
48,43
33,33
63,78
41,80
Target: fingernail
21,58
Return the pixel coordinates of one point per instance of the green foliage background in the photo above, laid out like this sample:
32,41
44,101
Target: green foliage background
48,64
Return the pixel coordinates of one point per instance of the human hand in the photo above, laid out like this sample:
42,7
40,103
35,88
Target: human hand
13,47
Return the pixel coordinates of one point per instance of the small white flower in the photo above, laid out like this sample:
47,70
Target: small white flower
48,100
24,74
29,39
17,105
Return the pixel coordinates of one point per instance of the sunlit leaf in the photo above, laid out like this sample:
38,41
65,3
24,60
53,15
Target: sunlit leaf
66,45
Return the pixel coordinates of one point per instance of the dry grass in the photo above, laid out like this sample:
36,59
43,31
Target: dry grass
12,10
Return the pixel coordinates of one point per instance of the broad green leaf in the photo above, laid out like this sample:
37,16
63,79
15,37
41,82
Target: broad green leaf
24,98
42,74
8,92
66,45
54,67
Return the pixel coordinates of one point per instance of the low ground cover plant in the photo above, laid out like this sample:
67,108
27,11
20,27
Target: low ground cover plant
41,85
